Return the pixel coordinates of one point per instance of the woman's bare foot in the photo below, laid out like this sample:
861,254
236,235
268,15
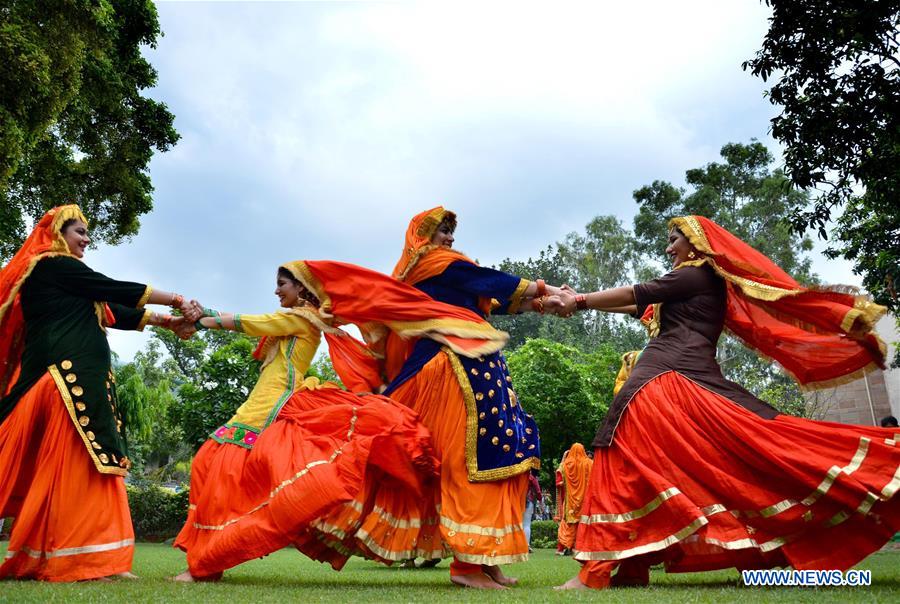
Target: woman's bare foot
573,583
497,575
126,575
476,581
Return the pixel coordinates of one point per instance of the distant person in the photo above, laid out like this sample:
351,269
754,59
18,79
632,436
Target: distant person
572,482
889,422
532,496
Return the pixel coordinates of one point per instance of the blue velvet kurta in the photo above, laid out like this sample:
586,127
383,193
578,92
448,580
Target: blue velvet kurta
502,439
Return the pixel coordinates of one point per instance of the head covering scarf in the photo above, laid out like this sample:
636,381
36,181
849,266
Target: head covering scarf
821,337
44,241
576,470
379,305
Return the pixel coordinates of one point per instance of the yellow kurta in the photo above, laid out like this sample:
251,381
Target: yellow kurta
292,343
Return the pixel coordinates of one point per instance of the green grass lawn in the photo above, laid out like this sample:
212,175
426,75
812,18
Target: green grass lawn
287,576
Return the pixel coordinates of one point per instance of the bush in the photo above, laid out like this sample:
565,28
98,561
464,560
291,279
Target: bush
543,534
157,514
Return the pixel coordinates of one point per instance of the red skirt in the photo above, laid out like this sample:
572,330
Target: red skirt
71,522
327,449
701,483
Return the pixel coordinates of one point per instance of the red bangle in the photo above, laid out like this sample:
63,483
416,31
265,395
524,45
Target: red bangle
537,305
541,288
581,302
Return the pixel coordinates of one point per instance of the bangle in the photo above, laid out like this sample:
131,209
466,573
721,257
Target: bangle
198,325
541,288
580,302
209,312
177,301
537,305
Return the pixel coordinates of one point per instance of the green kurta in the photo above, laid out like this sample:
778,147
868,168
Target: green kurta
62,305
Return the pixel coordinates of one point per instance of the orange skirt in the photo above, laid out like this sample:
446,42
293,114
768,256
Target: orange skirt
299,484
701,483
71,522
478,522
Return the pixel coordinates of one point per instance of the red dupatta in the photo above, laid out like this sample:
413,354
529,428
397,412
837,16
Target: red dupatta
820,337
44,241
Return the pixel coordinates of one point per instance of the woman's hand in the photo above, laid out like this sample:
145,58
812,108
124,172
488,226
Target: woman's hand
192,310
182,327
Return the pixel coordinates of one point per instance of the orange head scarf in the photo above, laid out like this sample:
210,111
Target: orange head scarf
821,337
422,259
44,241
576,470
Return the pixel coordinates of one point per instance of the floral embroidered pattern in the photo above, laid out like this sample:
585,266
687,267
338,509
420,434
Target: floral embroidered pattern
236,434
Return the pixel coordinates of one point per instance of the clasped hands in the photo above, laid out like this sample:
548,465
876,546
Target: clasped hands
559,301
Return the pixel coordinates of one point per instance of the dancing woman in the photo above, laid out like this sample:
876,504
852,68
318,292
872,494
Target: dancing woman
62,445
306,464
484,438
692,470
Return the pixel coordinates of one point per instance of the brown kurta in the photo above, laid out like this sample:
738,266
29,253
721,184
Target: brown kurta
693,314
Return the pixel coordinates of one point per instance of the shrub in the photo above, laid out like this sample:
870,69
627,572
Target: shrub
157,514
543,534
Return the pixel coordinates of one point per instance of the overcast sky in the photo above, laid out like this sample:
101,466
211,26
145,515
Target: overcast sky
317,129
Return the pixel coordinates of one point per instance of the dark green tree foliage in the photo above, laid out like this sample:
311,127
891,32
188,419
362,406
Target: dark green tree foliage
566,390
604,256
147,393
743,194
73,123
837,71
224,377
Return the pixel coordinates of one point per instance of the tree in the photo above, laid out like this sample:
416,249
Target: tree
567,391
147,392
838,85
222,374
605,255
73,123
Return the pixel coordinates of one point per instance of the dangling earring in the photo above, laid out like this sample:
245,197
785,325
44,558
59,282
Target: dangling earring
692,255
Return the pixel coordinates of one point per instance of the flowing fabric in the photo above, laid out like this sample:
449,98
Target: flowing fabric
71,522
701,474
708,484
822,338
328,453
44,241
389,307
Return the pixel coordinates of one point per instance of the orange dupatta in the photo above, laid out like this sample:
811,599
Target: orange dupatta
44,241
822,338
380,305
576,470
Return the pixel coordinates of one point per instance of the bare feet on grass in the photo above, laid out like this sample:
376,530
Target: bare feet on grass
573,583
497,575
476,581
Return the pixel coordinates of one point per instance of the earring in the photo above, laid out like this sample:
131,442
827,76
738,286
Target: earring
692,255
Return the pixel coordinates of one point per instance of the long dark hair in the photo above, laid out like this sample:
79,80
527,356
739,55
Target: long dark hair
305,294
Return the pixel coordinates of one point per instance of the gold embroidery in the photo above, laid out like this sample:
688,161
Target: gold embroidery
104,457
77,390
644,549
80,406
482,431
633,515
66,365
506,448
84,420
71,378
509,432
495,441
90,435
